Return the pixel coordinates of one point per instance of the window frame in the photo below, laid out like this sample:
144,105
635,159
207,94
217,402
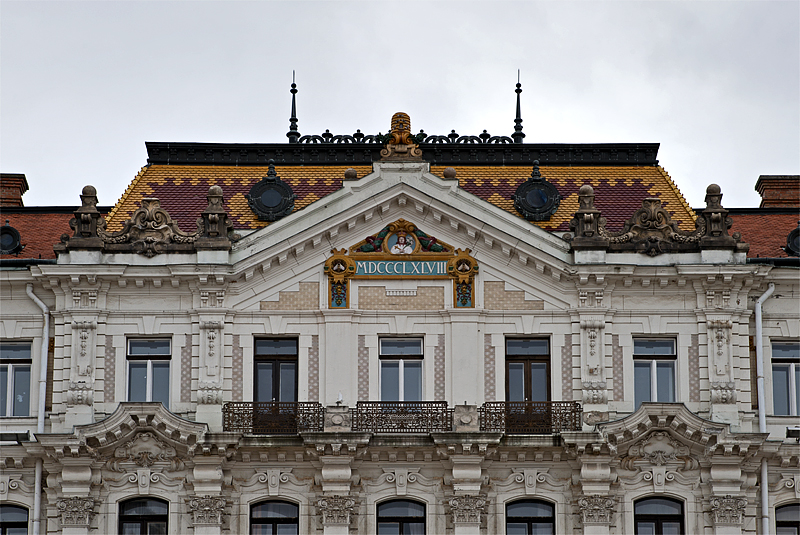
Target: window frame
659,519
401,520
16,524
654,361
527,361
148,359
528,520
793,364
11,365
277,359
787,523
400,359
142,520
274,521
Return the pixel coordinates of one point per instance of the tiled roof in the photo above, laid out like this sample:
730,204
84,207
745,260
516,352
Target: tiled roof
182,190
38,232
765,232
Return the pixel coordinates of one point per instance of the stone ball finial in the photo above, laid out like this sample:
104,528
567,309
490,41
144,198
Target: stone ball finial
586,189
215,190
350,174
713,189
89,190
449,173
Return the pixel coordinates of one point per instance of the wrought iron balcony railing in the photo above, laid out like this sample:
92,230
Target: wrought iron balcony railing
402,416
530,417
272,418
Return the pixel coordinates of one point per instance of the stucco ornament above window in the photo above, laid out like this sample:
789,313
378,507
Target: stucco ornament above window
271,198
150,230
536,199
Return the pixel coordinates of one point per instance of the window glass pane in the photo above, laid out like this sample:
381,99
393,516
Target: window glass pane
401,346
414,528
654,347
131,528
516,381
156,528
797,388
3,389
658,506
137,381
780,389
529,509
388,528
641,382
161,382
403,508
522,346
288,373
149,347
12,513
516,529
671,528
412,380
788,513
276,346
786,530
287,529
22,388
144,506
665,378
264,381
17,531
786,350
539,528
539,381
275,510
15,351
390,381
645,528
261,529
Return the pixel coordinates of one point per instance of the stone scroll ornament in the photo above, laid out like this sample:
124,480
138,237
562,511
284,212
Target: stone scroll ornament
401,145
651,230
150,230
401,251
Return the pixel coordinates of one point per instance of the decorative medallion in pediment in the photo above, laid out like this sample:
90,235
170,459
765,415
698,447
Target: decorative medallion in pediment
401,251
145,450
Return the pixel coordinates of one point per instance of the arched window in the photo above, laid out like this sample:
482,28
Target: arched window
787,519
530,517
13,520
401,517
658,516
143,516
274,518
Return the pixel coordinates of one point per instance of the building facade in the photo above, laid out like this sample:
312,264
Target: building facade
401,334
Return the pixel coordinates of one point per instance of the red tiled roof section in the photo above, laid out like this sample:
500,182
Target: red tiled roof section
766,233
38,233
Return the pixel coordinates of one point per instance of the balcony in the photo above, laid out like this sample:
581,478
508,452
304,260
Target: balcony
272,418
530,417
402,416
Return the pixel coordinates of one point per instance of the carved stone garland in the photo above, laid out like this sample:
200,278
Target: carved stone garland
467,509
336,509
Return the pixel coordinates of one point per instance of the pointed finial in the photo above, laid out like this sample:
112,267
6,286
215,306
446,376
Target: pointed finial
535,174
518,135
271,170
293,133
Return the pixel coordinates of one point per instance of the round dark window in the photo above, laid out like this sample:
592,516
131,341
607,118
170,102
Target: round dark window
9,240
536,198
271,198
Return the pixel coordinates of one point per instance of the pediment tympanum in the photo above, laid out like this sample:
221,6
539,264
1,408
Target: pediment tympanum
401,251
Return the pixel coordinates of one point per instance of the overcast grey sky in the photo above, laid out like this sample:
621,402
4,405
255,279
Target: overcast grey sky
84,84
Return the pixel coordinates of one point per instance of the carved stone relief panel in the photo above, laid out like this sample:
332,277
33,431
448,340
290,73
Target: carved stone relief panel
596,509
336,510
728,510
76,511
467,509
207,510
80,388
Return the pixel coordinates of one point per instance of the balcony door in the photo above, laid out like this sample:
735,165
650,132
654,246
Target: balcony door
275,388
528,407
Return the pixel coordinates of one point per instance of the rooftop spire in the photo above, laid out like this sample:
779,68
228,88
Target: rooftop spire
518,135
293,133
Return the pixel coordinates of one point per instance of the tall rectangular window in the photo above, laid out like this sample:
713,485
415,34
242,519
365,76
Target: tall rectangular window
527,369
148,370
654,370
786,378
275,370
15,378
401,369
